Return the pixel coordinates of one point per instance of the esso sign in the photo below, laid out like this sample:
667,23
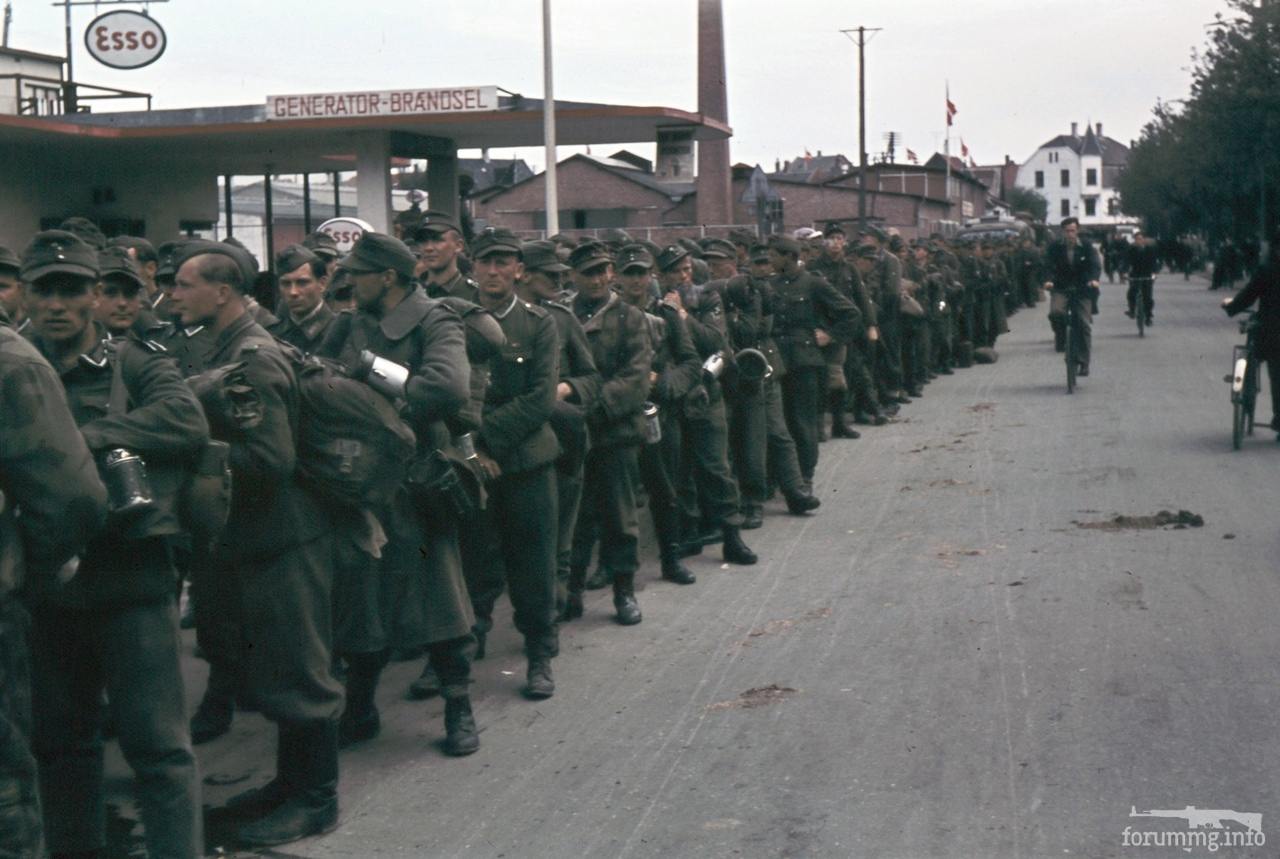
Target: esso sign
345,232
125,40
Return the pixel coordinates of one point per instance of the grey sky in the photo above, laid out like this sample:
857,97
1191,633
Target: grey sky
1020,70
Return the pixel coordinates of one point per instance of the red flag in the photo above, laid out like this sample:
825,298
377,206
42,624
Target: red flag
964,150
911,156
951,111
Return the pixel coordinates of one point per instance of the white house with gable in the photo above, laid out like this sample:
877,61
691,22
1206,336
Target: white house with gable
1078,175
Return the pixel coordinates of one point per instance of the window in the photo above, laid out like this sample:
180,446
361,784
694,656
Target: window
1113,206
1091,176
1066,208
1091,206
1053,158
1066,178
1039,178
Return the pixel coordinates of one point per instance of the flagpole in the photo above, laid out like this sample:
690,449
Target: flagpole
946,151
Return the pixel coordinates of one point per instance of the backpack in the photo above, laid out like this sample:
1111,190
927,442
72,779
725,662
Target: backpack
352,443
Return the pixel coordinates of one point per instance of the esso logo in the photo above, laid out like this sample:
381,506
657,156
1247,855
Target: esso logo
125,40
345,232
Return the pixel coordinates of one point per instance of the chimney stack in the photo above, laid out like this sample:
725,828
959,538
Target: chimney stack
715,194
1099,129
1074,130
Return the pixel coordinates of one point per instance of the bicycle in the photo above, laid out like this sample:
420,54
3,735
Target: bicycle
1138,284
1069,324
1244,381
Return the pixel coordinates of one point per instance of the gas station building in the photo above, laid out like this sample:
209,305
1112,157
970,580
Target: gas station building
155,173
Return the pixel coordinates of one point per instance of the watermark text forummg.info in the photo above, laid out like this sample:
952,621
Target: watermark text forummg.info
1207,829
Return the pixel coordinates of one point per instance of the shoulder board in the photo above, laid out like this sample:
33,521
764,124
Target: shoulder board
556,307
537,311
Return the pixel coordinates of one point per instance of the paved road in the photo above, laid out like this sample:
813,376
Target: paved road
945,663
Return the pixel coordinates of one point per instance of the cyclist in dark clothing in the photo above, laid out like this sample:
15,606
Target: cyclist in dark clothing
1144,262
1264,288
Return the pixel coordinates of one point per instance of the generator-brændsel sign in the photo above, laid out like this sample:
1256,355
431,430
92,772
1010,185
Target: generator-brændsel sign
125,40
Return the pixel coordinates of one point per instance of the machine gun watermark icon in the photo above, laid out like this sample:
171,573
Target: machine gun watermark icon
1204,818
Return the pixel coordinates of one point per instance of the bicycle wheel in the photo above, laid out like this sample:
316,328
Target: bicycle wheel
1249,396
1071,354
1141,308
1237,424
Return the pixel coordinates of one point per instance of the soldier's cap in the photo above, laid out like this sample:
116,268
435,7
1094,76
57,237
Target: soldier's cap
588,255
337,282
759,253
784,244
654,248
833,229
114,261
742,237
718,248
694,249
867,252
252,269
322,245
85,229
143,250
635,256
541,255
8,259
58,252
1066,222
895,242
495,240
616,237
436,223
670,256
409,218
168,258
295,257
242,258
873,232
376,252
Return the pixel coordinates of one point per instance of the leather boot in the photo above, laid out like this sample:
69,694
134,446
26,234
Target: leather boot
667,525
841,427
539,683
360,718
426,686
312,809
691,536
573,598
212,718
598,579
461,737
261,801
800,503
736,551
624,599
752,516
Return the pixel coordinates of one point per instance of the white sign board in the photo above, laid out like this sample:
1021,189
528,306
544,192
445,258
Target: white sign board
125,40
345,232
392,102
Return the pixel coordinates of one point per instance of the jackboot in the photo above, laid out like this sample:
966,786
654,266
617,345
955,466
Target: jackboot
573,598
736,551
624,599
691,536
752,516
800,503
261,801
360,719
666,522
213,717
426,686
598,579
460,734
841,427
312,809
538,681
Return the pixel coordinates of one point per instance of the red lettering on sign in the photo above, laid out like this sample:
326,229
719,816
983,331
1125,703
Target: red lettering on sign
150,40
101,42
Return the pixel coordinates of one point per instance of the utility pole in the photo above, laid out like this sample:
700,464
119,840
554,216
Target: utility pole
549,125
861,42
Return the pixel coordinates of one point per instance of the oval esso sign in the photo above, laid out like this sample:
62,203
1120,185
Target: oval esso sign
125,40
345,232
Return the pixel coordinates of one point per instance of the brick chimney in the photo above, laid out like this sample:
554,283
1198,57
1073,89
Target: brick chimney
1074,130
1098,127
715,196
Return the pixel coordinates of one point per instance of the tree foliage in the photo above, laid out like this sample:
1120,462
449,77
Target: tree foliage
1211,164
1027,200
